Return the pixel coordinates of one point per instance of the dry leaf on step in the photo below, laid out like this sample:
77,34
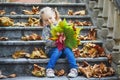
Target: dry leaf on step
60,72
24,24
70,12
2,12
13,13
2,76
97,70
27,12
3,38
38,71
12,76
81,12
6,21
33,36
38,53
33,22
35,10
19,54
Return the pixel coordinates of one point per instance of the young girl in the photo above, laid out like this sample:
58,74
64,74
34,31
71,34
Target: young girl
51,16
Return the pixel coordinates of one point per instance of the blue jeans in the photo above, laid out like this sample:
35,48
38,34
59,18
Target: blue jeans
55,54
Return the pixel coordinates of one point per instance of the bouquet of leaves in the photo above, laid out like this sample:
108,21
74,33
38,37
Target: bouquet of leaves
65,35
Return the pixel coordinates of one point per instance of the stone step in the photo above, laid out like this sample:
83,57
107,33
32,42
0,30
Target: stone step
23,66
24,18
61,78
7,48
62,8
37,16
15,33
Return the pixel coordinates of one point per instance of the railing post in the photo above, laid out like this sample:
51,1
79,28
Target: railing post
110,25
99,18
104,30
95,12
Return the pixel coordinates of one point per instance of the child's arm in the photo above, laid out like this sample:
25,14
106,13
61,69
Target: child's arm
46,35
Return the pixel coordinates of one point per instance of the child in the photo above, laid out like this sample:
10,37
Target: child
51,16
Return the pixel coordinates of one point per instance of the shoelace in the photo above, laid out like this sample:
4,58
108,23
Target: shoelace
73,71
50,71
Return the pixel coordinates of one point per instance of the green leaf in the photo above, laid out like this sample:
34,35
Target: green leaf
69,32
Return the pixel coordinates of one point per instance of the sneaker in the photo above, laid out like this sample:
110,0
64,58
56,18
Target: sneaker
73,73
50,73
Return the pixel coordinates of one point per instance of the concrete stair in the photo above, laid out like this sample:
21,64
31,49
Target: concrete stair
59,78
23,66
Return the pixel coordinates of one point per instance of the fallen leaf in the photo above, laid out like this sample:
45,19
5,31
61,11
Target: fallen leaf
33,22
60,72
2,76
3,38
12,76
24,24
13,13
38,71
19,54
6,21
38,53
35,10
2,12
33,36
81,12
97,70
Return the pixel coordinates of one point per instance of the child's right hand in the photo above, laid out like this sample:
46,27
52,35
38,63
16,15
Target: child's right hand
61,37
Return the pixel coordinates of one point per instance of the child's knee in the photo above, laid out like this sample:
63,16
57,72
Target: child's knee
67,49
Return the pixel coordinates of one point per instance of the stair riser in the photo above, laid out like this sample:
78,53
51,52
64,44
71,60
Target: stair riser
16,34
62,8
18,19
25,69
8,50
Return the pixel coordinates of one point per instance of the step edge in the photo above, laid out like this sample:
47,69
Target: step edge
36,28
38,41
37,16
64,78
43,4
31,61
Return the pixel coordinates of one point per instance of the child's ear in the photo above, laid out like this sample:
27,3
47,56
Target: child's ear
57,15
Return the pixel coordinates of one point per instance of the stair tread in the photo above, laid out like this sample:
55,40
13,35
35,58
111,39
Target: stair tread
36,28
60,78
37,16
42,41
61,60
38,42
43,4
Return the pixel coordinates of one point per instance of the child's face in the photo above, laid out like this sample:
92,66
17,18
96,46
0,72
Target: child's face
48,17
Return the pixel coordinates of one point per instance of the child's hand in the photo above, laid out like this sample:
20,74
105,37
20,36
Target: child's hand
60,41
61,37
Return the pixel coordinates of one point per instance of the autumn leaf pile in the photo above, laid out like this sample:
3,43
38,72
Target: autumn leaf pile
37,53
97,70
89,50
71,33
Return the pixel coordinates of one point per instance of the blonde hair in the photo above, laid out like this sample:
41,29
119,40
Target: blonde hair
47,9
